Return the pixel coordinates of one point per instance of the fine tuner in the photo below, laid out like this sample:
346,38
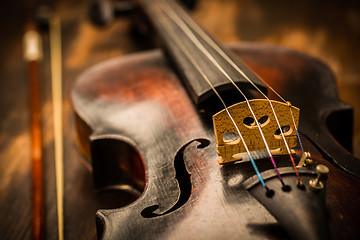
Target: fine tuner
317,183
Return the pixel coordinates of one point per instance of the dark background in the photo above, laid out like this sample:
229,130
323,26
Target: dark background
329,30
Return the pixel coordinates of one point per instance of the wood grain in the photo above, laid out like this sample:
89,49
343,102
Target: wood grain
250,132
328,30
137,100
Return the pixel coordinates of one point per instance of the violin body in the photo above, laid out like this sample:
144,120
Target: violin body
144,135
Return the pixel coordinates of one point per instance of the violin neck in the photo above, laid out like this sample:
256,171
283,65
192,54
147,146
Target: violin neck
198,58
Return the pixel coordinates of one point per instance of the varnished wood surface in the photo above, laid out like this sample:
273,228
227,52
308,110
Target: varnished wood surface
136,101
328,30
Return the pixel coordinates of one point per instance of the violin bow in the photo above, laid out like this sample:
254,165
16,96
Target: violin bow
56,82
33,54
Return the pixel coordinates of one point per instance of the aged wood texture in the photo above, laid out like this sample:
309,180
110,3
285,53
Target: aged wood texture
137,100
329,30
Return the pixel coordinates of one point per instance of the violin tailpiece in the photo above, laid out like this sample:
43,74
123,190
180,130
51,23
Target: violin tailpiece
304,216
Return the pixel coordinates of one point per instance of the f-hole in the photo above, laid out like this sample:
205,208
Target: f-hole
184,179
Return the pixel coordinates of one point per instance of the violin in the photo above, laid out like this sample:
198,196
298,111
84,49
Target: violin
216,142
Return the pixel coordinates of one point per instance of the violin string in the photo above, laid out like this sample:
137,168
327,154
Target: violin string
189,33
291,112
231,62
296,129
195,64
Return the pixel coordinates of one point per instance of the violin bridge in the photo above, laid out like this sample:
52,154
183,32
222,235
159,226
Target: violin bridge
228,142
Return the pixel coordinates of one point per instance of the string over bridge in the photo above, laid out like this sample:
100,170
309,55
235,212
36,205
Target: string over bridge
229,146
